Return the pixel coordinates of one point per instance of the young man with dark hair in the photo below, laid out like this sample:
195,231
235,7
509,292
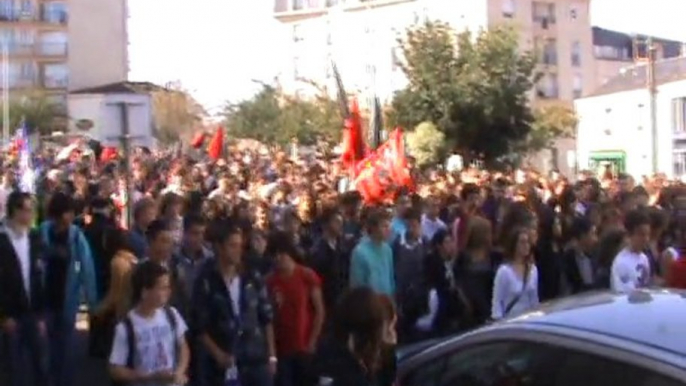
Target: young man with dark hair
191,255
330,258
144,212
69,269
372,259
22,294
232,316
578,266
149,344
160,239
631,268
299,313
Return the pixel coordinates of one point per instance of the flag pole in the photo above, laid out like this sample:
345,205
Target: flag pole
5,92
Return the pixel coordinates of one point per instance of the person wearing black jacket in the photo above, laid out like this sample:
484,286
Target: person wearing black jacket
579,267
101,223
232,316
21,295
331,259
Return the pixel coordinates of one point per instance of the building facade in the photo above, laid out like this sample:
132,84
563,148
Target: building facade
59,45
615,125
616,51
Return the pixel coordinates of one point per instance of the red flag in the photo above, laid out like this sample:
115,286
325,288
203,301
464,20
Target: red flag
384,171
198,140
108,154
353,142
216,145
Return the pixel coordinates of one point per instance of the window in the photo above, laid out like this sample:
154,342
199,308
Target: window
547,87
610,52
508,8
53,43
679,115
297,33
298,5
332,3
549,52
56,75
574,11
55,12
679,163
543,13
576,54
577,86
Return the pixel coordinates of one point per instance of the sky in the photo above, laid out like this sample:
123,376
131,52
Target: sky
217,48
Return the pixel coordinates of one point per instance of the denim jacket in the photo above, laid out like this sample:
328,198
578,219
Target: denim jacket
242,336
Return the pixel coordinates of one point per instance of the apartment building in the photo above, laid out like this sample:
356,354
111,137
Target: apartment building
615,51
60,45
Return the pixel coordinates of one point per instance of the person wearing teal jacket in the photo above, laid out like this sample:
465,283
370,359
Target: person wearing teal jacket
69,273
371,264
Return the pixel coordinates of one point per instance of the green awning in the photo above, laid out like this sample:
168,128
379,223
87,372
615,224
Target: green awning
607,154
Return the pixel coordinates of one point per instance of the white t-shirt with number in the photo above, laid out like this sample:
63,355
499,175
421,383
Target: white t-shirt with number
630,270
155,343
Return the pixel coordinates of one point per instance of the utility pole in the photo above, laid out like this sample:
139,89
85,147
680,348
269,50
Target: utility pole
652,90
125,138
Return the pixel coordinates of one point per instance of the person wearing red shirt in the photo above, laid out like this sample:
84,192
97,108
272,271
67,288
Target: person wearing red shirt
299,312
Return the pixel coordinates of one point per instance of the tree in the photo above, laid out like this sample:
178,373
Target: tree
475,89
550,123
426,144
176,114
39,112
275,118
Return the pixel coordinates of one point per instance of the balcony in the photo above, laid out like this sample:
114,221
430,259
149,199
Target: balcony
51,50
55,17
17,14
55,82
294,10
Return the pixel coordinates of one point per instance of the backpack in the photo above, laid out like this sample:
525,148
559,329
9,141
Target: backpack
131,340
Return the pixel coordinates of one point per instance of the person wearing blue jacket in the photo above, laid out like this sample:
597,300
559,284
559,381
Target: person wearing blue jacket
69,273
371,264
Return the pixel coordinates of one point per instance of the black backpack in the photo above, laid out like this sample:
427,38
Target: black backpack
131,341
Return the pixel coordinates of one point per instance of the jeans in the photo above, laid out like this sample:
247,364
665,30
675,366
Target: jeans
61,340
25,354
294,370
255,375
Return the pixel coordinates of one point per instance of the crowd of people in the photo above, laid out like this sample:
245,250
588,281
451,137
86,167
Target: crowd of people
258,270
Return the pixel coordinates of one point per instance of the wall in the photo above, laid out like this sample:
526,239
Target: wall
99,108
98,42
606,69
621,121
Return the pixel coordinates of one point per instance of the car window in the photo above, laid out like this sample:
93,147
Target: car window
425,375
502,363
576,368
519,363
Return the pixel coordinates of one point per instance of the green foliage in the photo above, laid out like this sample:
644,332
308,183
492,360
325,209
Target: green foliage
550,123
176,114
426,144
274,118
39,112
475,89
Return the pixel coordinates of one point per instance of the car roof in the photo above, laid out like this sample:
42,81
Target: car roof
655,318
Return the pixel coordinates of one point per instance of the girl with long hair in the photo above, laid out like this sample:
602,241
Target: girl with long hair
359,352
515,288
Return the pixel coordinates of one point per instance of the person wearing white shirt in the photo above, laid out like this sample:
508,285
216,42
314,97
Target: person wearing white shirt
631,267
157,354
431,223
515,287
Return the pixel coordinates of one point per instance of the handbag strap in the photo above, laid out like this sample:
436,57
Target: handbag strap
516,299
